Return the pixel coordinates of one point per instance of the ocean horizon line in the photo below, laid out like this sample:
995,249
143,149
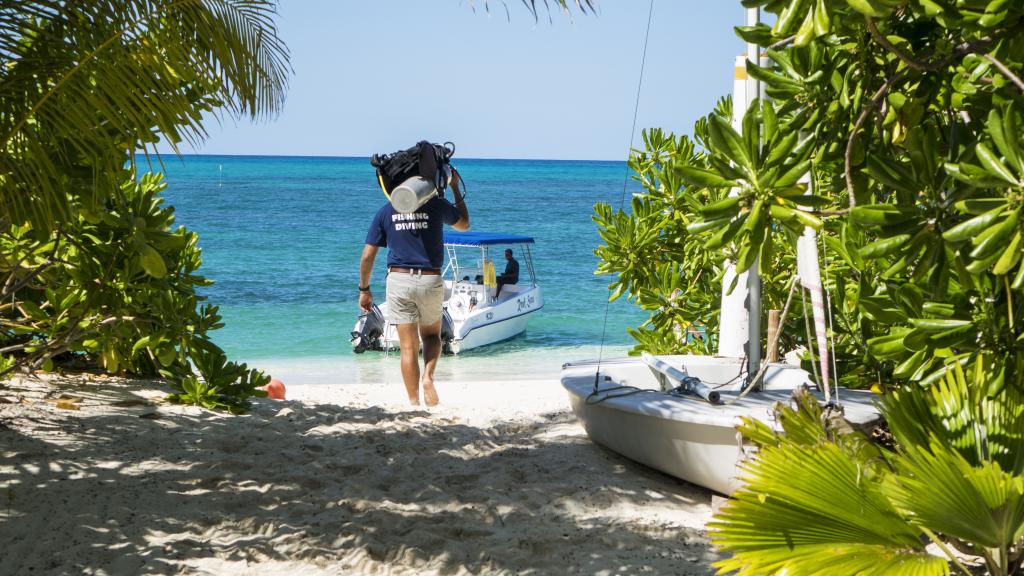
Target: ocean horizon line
343,157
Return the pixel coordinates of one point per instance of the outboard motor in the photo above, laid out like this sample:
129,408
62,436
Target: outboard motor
447,331
371,328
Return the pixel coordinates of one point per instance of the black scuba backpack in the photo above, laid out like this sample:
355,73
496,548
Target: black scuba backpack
424,159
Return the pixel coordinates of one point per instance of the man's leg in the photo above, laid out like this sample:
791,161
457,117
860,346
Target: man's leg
409,341
431,336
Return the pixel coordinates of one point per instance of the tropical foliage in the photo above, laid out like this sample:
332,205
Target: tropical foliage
952,482
668,253
658,264
92,266
893,128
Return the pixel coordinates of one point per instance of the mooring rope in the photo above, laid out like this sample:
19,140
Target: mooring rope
625,183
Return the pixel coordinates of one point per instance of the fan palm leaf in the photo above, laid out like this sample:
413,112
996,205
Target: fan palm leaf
816,510
954,436
820,500
86,84
814,502
979,504
959,415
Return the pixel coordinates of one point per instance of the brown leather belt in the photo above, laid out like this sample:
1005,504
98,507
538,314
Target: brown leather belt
420,271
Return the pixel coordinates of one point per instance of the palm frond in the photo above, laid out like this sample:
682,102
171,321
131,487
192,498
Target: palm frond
567,6
800,502
852,559
959,415
813,502
977,503
955,436
797,496
86,84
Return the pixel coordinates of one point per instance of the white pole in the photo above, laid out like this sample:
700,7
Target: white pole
733,325
740,317
753,278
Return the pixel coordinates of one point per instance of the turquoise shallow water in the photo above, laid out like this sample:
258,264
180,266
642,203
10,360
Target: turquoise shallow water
281,236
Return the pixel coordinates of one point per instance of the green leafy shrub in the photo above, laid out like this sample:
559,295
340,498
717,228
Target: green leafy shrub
90,265
220,384
120,287
893,128
659,255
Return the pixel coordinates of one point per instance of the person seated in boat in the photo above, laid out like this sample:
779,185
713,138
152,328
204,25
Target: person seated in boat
511,273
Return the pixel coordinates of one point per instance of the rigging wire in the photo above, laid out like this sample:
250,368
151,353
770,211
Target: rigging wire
828,296
831,321
810,340
625,182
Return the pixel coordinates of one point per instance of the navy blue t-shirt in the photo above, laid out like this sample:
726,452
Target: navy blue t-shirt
511,274
414,240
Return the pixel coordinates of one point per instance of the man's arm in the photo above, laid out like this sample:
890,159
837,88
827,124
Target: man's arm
365,271
462,224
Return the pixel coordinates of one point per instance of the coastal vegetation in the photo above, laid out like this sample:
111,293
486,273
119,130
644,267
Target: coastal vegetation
94,273
892,128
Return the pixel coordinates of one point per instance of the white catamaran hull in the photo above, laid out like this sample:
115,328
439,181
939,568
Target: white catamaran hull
685,436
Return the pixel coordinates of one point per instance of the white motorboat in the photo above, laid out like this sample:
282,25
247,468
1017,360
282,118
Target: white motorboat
642,409
473,315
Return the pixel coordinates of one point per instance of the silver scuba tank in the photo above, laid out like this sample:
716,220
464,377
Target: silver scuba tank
410,195
416,191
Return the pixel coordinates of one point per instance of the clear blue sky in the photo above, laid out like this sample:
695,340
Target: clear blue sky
379,75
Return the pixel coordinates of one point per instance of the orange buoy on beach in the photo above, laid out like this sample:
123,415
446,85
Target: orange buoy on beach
275,389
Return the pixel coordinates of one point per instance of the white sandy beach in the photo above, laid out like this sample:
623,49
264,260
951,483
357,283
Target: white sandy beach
338,479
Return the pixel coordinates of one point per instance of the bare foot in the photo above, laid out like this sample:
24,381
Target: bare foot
429,393
414,401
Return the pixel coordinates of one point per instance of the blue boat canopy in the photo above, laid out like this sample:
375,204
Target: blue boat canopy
483,239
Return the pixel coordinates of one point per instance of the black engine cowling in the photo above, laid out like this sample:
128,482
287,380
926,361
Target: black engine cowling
370,331
447,332
372,325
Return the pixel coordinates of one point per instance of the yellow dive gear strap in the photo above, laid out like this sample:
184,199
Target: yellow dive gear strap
380,180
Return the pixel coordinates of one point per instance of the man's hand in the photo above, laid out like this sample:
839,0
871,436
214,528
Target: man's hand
365,270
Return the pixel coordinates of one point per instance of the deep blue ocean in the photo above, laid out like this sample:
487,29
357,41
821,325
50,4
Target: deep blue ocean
282,236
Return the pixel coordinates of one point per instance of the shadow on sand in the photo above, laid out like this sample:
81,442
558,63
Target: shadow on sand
332,489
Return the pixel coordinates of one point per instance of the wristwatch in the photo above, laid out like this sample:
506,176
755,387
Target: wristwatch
364,288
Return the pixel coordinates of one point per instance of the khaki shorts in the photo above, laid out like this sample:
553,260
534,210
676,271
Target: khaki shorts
413,299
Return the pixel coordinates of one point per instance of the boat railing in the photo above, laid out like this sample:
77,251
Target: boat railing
453,262
529,263
454,271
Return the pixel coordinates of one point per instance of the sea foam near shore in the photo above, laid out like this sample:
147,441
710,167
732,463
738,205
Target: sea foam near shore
508,361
